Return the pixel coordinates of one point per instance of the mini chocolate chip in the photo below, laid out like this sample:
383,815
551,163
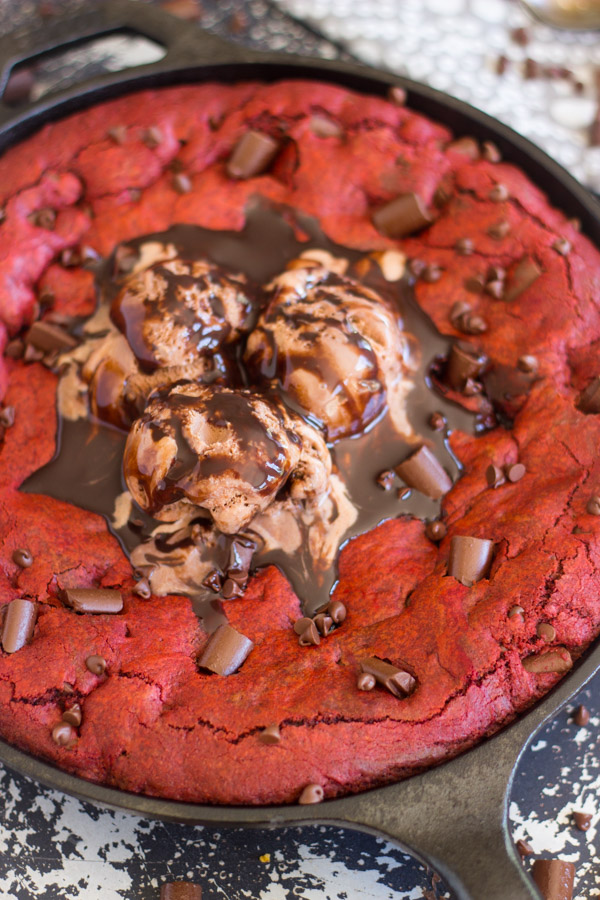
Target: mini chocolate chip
490,152
437,421
270,735
63,734
464,246
365,682
471,324
581,716
582,820
301,624
527,364
312,793
516,612
118,134
337,610
431,273
142,589
396,95
96,664
495,289
524,849
22,557
499,230
494,476
515,472
73,715
436,530
310,636
546,631
152,137
562,246
182,183
498,193
324,623
386,479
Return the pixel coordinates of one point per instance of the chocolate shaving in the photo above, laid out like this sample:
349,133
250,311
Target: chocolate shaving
93,600
470,558
423,471
403,216
19,622
225,651
252,155
397,681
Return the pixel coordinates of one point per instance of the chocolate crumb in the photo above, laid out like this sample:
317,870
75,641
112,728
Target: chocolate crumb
73,715
582,820
22,557
562,246
494,476
546,631
437,421
63,734
365,682
96,664
515,472
464,246
312,793
436,530
581,716
270,735
182,183
386,479
524,849
337,610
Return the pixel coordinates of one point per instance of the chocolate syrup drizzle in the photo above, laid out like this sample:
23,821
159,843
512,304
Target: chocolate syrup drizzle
87,467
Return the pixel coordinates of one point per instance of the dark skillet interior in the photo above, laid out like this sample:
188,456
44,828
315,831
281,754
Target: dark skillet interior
235,64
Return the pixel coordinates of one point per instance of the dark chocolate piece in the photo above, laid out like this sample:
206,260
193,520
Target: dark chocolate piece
386,479
464,247
494,476
470,558
523,276
547,631
436,530
94,600
73,715
19,622
180,890
589,401
554,877
225,651
63,734
467,146
498,193
365,682
96,664
312,793
270,735
464,361
524,849
423,471
45,337
582,820
562,246
337,610
499,230
397,681
182,183
402,216
252,155
22,558
514,472
581,716
556,661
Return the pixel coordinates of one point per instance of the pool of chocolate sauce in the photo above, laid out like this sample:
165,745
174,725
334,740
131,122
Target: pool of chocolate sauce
87,467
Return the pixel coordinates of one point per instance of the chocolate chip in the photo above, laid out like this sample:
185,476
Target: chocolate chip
464,246
96,664
416,267
231,589
44,218
152,137
527,363
312,793
501,65
525,273
437,421
323,623
495,289
520,36
581,716
562,246
555,661
309,637
365,682
396,95
302,624
117,134
546,631
472,388
554,877
45,337
143,589
495,273
431,273
241,553
475,284
386,479
22,557
458,310
125,259
499,230
73,715
325,128
7,416
516,611
436,530
470,558
402,216
225,651
32,354
397,681
464,361
441,196
466,146
524,849
181,183
470,323
423,471
213,581
490,152
15,349
515,472
252,155
270,735
63,734
498,193
494,476
19,623
532,69
337,610
93,600
70,258
582,820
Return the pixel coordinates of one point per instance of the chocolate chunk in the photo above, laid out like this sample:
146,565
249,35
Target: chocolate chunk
464,361
464,246
337,610
403,216
523,276
556,661
96,664
436,530
45,337
118,134
470,558
467,146
323,623
365,682
562,246
498,193
312,793
397,681
225,651
582,820
589,401
44,218
396,95
524,849
73,715
301,625
182,183
499,230
325,128
515,472
528,364
495,289
143,589
7,416
423,471
494,476
520,36
310,636
152,137
431,273
437,421
180,890
516,611
252,155
546,631
386,479
19,622
554,877
22,557
581,716
270,735
63,734
490,152
93,600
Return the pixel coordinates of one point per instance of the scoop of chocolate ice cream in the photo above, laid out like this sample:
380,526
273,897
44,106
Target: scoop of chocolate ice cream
334,347
228,451
175,311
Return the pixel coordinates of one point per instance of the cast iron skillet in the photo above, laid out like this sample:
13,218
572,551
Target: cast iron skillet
453,817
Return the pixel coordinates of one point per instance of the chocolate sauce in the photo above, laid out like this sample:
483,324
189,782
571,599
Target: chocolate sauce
87,467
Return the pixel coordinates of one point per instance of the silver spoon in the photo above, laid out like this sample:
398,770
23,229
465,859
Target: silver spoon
576,15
